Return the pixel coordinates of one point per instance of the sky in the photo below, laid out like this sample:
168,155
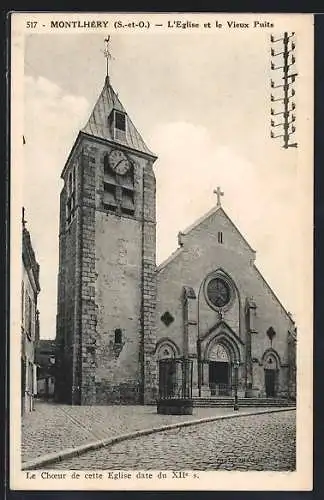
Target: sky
202,104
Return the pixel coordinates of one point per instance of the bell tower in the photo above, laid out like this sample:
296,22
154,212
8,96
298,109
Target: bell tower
106,281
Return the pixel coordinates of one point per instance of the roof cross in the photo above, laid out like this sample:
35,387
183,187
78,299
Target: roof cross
218,193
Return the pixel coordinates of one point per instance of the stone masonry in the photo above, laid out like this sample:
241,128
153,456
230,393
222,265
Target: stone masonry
148,340
118,314
241,328
107,283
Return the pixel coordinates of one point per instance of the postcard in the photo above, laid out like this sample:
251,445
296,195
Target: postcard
161,283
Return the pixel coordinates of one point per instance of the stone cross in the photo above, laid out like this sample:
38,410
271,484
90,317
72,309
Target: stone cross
218,193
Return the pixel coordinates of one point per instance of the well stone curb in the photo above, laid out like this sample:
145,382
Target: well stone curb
59,456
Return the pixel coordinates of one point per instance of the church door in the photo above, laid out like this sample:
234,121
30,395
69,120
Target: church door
219,371
270,375
218,378
167,378
270,383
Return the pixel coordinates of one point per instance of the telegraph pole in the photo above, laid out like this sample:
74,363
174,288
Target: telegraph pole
286,111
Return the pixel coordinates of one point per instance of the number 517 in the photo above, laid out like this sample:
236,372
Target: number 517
31,24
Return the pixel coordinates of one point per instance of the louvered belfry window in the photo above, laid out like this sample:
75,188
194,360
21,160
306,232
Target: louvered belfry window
127,192
118,125
120,121
110,187
118,190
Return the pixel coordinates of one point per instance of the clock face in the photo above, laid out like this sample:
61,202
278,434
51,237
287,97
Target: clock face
218,292
119,162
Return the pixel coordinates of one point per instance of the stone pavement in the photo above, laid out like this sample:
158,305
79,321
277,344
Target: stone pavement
53,428
257,442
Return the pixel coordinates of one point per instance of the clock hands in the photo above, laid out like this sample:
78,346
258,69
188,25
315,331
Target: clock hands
121,167
119,162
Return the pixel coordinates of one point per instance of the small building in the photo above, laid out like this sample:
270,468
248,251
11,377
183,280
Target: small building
45,360
30,289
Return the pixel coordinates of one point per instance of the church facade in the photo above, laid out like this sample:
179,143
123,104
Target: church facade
119,314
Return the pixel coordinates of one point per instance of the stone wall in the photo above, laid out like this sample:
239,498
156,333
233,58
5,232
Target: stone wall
118,298
149,374
66,303
118,285
86,329
106,284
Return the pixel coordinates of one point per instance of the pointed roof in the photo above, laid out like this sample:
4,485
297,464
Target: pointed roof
214,210
97,125
211,212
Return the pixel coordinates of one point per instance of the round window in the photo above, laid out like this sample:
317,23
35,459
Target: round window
218,292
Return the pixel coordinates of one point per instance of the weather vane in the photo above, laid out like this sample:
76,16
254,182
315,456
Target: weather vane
23,220
107,55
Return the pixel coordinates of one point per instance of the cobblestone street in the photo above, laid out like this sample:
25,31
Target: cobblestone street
52,427
257,442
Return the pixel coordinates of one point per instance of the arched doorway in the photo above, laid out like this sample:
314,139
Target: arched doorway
270,375
219,371
167,370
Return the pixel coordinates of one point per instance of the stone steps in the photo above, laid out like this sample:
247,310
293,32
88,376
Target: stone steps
242,402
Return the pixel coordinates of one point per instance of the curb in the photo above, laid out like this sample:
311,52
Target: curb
59,456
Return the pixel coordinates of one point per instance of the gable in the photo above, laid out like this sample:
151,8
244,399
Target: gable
200,252
213,219
205,232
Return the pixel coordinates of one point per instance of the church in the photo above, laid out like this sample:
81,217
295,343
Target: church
119,313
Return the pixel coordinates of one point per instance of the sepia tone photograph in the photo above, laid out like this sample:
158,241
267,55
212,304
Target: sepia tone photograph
162,213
